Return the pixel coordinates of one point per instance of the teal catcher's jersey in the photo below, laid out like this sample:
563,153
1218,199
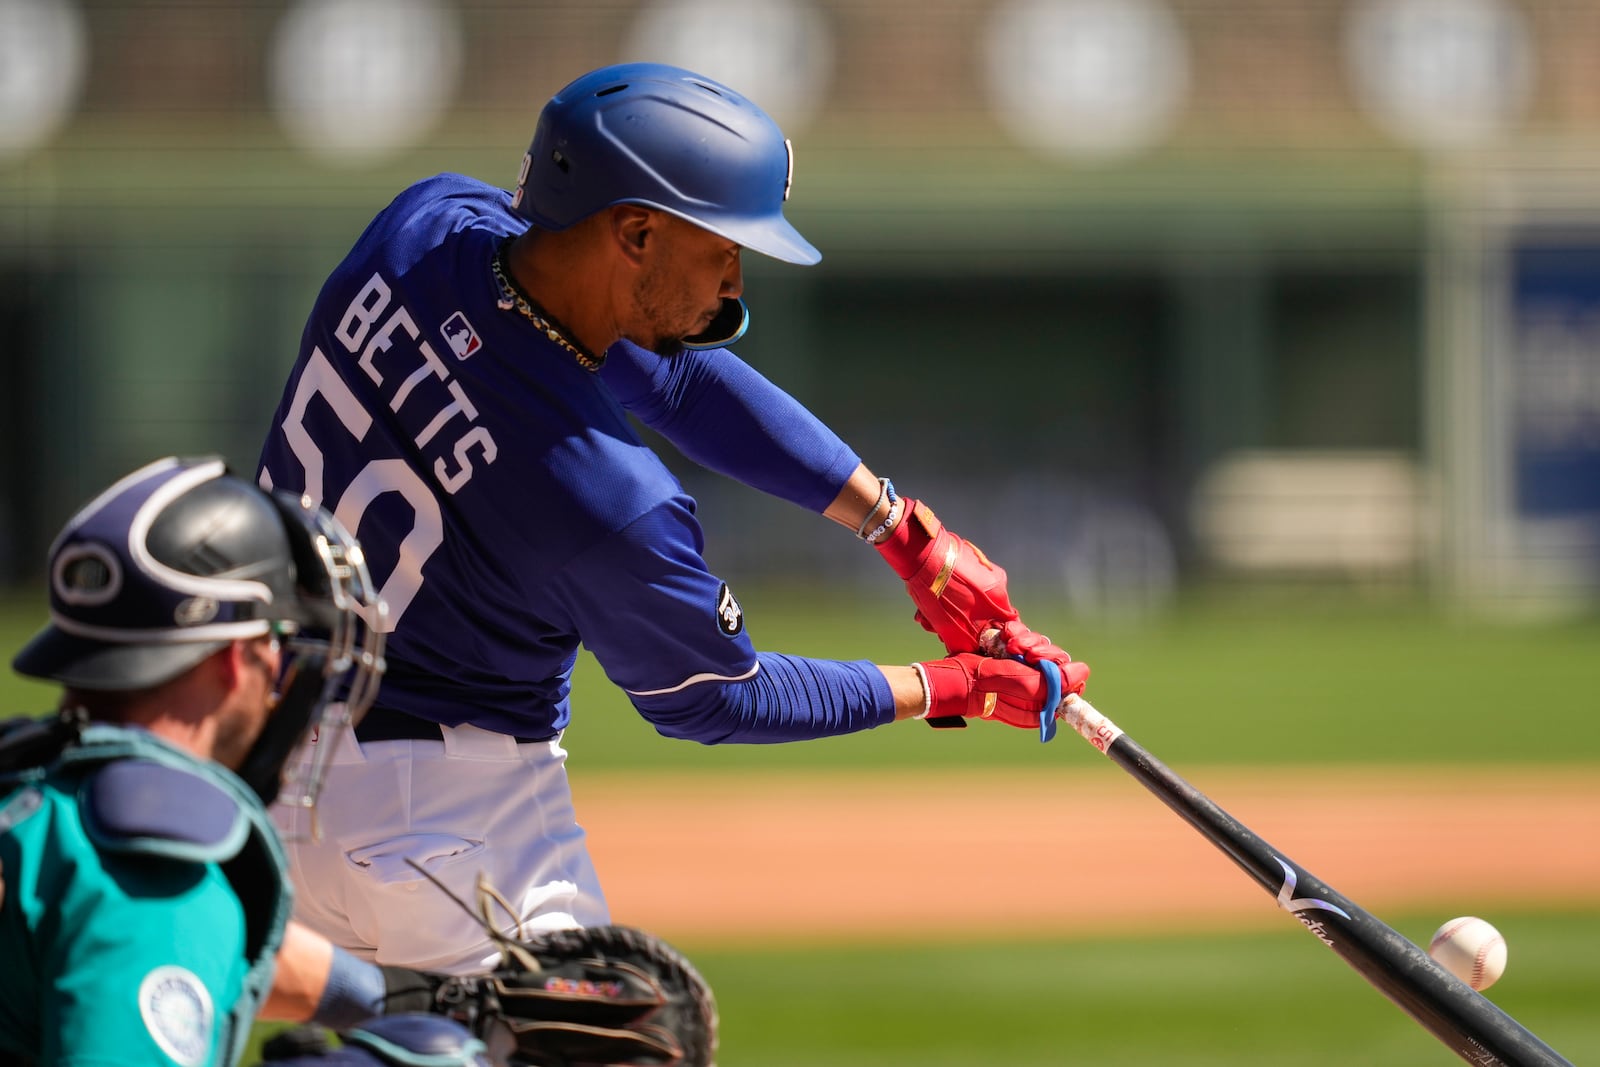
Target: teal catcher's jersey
122,938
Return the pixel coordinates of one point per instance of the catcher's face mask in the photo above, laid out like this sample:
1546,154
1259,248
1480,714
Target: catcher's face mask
332,658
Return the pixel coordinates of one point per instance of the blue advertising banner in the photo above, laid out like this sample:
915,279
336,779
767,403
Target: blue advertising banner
1555,374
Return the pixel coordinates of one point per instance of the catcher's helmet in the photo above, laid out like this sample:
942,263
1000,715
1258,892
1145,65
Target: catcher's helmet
667,138
181,557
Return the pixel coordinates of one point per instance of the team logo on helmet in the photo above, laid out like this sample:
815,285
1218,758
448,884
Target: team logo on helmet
730,616
196,611
788,174
522,180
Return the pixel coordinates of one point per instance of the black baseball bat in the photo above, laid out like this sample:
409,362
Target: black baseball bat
1468,1023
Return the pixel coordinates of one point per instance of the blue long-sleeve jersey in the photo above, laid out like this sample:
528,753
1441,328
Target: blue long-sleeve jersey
509,510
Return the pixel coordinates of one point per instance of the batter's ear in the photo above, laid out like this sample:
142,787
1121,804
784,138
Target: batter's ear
632,229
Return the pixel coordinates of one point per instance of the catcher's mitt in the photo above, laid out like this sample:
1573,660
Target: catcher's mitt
577,998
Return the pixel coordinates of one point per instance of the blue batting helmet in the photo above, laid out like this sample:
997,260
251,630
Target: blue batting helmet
667,138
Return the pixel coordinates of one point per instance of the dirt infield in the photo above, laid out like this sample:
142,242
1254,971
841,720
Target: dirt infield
837,856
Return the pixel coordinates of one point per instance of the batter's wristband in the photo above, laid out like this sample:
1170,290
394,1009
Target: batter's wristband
927,691
884,527
885,492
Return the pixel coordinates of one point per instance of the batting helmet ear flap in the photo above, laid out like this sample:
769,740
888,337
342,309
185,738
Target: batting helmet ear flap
729,325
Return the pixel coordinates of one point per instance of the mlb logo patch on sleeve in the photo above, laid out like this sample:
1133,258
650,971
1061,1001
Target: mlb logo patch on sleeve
460,336
730,616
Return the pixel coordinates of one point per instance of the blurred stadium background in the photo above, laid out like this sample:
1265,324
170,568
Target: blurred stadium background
1154,298
1279,286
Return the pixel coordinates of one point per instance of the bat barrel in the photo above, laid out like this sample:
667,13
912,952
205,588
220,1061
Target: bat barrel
1464,1020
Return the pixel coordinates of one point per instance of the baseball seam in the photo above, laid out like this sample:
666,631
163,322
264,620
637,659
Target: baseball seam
1480,959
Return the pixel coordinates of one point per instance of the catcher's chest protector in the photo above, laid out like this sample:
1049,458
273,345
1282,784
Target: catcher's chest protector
136,796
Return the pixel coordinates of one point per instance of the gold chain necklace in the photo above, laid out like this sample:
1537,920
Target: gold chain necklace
512,296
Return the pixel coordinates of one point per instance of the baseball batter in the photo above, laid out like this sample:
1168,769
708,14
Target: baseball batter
461,400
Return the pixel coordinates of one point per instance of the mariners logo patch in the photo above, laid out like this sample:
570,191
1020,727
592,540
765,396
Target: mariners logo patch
178,1013
460,336
730,616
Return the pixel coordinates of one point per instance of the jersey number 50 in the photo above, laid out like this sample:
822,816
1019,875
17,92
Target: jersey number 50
378,476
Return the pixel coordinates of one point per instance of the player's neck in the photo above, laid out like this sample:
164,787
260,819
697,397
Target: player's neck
555,275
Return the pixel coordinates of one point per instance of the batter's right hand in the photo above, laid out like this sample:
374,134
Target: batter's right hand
968,685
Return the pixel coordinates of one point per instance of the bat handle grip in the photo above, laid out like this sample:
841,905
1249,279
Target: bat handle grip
991,644
1052,700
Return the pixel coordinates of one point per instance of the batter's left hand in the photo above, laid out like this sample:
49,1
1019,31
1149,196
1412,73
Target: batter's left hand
958,591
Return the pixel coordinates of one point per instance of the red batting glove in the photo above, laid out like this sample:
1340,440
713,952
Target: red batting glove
959,594
970,686
1015,639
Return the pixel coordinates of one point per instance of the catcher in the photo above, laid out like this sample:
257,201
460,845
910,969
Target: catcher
201,626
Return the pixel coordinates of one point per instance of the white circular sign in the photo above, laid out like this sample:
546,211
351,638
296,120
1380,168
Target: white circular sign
1087,78
43,52
1441,73
776,53
355,80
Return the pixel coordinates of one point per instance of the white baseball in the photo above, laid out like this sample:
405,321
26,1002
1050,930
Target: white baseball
1470,949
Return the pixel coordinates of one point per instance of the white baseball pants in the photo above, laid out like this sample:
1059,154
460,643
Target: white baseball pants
473,802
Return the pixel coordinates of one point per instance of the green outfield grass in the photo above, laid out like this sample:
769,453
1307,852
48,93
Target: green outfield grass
1227,1000
1284,679
1288,677
1245,999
